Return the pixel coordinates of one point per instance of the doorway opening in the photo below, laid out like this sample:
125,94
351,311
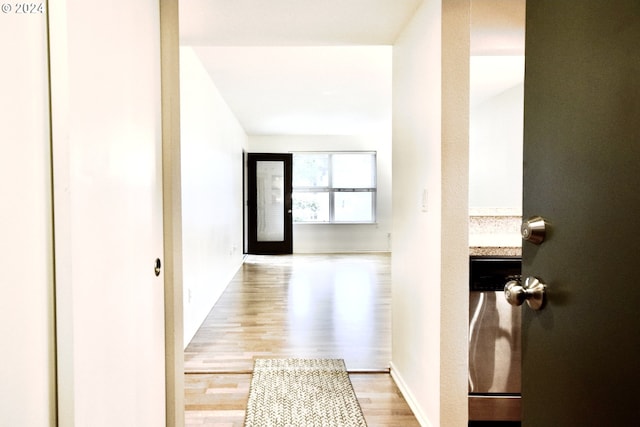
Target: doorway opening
309,95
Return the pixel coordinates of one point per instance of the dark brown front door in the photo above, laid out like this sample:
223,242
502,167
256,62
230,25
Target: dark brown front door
269,203
581,173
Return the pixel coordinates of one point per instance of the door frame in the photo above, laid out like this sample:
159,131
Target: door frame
458,389
172,213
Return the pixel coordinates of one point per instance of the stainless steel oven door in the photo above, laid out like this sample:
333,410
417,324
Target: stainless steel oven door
494,357
494,344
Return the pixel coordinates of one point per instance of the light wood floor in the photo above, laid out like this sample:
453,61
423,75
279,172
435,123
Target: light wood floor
335,306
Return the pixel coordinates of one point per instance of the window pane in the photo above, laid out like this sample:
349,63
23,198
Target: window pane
311,170
354,207
310,207
354,170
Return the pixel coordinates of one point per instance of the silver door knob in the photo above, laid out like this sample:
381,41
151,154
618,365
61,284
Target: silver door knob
533,292
534,230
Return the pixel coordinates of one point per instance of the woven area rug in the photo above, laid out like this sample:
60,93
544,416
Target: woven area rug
302,392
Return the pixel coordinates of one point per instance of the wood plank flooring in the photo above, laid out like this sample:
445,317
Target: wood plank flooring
219,400
299,306
335,306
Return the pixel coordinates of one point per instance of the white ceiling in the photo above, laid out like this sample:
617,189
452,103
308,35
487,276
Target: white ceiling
303,90
319,67
293,22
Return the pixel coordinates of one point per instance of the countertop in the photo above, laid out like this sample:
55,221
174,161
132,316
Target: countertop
497,251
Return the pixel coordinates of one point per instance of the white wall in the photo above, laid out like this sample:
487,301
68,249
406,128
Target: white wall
495,151
212,205
430,249
326,238
27,385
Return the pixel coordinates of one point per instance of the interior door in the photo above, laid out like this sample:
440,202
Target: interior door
27,362
269,203
107,172
581,173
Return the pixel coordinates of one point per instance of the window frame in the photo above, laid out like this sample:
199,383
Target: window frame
331,191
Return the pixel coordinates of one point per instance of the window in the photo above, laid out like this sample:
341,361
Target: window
334,187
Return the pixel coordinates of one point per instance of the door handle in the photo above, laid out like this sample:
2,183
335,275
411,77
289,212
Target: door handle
533,292
534,230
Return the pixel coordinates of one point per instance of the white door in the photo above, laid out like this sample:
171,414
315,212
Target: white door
27,361
581,172
105,65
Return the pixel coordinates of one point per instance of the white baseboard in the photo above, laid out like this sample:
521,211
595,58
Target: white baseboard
408,396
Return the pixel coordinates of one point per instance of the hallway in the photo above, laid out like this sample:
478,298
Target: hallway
332,306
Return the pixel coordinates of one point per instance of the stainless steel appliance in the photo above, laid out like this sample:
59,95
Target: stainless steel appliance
494,342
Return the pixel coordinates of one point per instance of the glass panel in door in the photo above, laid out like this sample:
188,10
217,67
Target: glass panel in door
270,200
